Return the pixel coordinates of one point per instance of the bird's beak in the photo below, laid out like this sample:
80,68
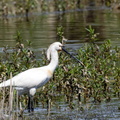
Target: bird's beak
72,56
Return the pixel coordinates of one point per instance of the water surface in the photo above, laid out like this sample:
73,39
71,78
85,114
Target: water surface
42,28
88,111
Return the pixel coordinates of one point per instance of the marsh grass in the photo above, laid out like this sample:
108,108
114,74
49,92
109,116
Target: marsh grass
6,103
25,8
97,81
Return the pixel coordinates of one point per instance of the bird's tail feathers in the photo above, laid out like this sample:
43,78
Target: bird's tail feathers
6,83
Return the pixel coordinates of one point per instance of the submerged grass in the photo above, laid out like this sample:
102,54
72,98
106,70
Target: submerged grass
98,80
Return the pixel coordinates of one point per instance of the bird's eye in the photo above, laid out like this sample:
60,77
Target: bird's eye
60,45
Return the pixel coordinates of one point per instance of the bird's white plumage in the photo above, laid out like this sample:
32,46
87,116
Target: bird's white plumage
31,79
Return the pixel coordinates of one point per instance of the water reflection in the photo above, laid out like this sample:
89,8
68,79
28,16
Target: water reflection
41,30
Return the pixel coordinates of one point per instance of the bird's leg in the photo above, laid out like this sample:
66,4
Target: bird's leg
30,104
31,94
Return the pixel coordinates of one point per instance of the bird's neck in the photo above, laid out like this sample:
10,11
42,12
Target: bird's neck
54,61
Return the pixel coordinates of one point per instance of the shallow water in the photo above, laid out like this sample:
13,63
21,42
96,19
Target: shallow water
41,28
61,110
88,111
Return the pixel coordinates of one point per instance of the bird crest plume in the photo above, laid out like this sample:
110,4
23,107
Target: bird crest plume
49,52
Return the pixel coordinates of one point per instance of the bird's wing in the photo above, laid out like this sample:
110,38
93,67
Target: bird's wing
31,78
34,77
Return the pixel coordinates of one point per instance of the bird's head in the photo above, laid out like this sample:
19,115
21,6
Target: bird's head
56,46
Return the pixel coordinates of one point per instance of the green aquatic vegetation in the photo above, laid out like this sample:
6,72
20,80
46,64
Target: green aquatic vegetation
100,67
97,80
91,34
60,32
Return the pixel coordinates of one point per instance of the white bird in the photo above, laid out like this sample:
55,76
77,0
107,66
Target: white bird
31,79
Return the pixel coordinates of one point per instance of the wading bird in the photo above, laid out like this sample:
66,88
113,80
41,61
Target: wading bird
31,79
